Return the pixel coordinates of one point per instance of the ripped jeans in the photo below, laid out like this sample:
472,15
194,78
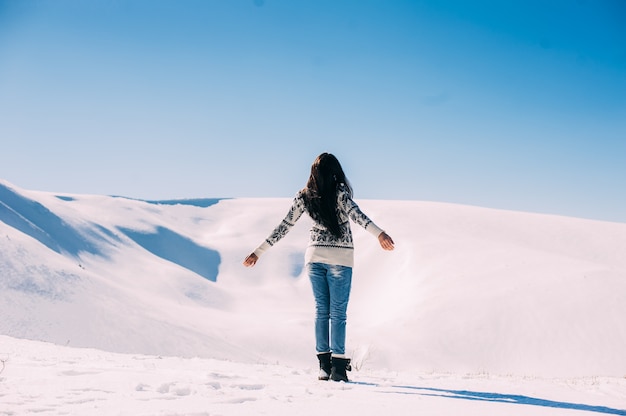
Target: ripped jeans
331,288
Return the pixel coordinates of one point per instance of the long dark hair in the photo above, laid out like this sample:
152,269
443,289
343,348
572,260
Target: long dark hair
320,193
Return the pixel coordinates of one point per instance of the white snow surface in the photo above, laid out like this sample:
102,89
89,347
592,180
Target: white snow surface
115,306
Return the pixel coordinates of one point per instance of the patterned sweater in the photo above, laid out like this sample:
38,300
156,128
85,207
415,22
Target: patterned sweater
323,246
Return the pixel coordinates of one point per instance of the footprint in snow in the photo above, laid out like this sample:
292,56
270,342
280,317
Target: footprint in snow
215,385
249,386
169,388
241,400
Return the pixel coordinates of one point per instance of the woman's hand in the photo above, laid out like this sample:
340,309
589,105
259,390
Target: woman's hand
385,241
250,260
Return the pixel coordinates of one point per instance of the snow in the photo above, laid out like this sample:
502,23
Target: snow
42,378
114,306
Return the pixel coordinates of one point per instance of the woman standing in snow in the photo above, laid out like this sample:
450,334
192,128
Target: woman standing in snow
329,257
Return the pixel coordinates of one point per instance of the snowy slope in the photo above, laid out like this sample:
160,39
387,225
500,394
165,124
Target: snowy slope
467,291
46,379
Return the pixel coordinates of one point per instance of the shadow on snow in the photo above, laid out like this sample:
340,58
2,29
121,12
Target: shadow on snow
194,202
37,221
499,398
173,247
514,399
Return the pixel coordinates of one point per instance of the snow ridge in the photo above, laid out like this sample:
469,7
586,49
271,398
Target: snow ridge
467,291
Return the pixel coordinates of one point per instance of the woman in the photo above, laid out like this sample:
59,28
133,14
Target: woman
327,199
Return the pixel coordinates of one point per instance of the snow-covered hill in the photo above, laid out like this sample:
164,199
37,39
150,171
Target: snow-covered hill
46,379
467,291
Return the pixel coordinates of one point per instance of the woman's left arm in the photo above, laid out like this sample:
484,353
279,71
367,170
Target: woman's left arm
385,241
355,213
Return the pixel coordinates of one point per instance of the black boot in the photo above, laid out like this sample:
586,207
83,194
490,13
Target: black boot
339,368
325,365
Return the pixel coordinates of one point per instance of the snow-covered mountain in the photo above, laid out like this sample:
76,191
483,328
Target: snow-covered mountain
467,290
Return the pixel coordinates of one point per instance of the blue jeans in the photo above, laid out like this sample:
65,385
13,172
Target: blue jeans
331,288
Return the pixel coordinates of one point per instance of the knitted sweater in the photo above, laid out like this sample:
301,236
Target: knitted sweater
323,246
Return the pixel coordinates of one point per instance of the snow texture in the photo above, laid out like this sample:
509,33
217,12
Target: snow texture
112,305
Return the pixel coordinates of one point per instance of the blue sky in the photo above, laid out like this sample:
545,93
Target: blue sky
505,104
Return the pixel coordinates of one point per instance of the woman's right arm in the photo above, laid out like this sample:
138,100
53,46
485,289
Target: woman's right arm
294,214
250,260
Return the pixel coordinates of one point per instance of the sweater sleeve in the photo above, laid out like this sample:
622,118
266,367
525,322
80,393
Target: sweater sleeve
294,214
356,215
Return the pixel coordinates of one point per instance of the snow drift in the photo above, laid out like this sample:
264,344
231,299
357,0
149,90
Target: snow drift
467,290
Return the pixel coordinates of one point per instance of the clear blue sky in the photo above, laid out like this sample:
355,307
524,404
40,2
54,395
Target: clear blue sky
516,104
